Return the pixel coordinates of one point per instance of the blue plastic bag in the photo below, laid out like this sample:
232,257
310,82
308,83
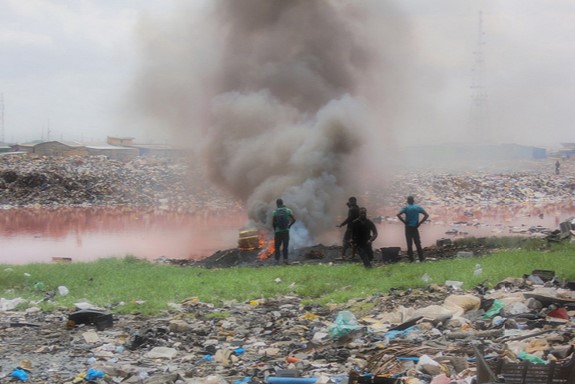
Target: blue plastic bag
19,374
94,374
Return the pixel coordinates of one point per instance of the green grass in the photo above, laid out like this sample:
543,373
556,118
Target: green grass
130,285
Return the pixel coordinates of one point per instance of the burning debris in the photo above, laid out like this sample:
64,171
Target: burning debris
253,239
250,239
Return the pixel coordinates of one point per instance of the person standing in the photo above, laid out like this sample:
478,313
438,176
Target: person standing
364,233
409,215
282,220
352,214
557,167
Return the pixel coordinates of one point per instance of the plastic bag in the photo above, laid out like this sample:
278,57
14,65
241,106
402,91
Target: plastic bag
496,307
531,358
345,323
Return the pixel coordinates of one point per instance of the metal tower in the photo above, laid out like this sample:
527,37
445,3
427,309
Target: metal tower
479,130
2,118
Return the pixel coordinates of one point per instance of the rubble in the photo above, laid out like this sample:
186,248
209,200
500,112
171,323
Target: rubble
434,335
529,183
48,182
179,184
394,339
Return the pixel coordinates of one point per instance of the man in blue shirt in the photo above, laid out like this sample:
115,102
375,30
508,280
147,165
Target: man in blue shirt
409,215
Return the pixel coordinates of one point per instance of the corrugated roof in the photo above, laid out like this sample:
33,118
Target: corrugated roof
104,146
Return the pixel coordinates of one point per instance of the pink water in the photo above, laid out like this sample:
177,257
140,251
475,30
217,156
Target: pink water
87,234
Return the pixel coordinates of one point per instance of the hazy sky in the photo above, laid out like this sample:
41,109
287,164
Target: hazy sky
67,68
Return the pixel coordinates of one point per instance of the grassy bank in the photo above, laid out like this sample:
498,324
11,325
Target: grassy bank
148,288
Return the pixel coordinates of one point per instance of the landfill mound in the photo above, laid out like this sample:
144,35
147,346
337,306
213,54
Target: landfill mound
176,184
180,184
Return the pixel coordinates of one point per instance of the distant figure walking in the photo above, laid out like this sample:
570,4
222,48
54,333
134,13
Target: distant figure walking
364,233
409,215
557,166
282,220
352,214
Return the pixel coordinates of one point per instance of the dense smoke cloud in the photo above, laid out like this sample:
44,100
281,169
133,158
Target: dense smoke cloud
280,97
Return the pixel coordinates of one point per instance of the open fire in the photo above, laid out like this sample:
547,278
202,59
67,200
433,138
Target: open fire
252,239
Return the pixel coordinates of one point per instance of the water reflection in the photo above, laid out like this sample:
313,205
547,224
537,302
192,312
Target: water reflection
86,234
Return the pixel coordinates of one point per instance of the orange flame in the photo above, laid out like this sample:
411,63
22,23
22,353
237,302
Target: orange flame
268,250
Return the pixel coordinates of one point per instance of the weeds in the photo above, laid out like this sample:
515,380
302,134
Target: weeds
131,285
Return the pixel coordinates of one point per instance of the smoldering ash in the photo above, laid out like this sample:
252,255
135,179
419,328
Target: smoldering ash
274,93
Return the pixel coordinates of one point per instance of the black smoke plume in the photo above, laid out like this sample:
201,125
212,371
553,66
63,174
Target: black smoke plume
281,98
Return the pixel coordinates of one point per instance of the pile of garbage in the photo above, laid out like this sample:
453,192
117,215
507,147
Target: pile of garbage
438,335
179,184
533,182
170,184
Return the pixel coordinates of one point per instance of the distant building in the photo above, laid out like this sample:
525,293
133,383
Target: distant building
27,147
567,151
521,152
5,148
60,148
120,141
113,152
458,154
159,150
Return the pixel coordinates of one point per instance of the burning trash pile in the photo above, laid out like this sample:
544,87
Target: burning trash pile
97,181
253,239
520,332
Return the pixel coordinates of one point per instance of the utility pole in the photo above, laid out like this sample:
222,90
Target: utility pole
478,113
2,118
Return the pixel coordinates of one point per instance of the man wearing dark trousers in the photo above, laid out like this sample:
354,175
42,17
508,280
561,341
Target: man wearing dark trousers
364,233
282,220
352,214
409,215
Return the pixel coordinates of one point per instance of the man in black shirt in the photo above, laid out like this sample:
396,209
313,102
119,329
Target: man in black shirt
352,214
364,233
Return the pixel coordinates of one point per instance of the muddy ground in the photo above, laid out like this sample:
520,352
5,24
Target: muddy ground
320,253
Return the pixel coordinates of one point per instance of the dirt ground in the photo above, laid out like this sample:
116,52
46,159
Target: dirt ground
320,253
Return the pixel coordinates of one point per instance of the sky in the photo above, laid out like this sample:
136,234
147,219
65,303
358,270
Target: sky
68,69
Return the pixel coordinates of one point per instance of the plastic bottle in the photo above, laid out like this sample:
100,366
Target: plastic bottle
291,380
426,278
478,270
454,284
344,379
142,375
63,291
